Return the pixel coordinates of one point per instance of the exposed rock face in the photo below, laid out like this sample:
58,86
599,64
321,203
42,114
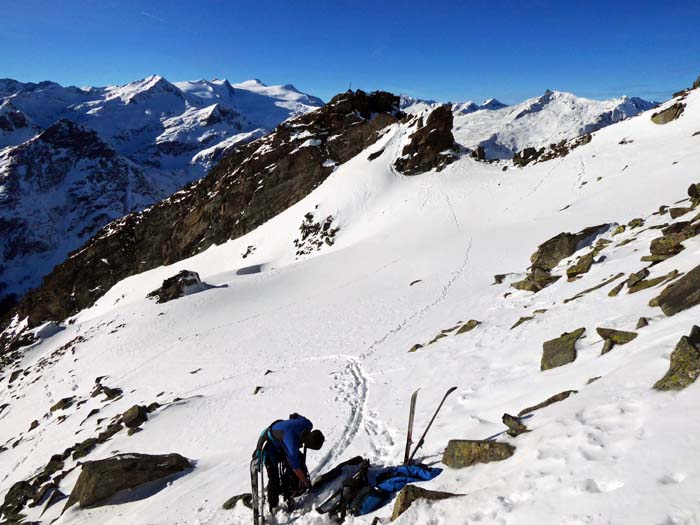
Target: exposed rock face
553,151
551,252
101,479
684,368
229,202
560,351
411,493
561,396
669,114
462,453
432,146
184,283
681,294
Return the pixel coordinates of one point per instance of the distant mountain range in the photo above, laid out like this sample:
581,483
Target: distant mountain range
504,130
73,159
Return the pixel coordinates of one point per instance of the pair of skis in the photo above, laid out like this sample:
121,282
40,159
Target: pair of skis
408,455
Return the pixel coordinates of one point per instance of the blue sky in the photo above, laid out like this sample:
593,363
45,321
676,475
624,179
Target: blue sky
469,50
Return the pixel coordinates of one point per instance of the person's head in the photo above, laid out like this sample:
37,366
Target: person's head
314,439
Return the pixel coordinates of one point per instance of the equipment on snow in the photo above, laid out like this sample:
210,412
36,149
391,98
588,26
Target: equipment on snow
409,432
422,438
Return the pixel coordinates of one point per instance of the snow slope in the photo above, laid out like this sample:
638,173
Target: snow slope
335,328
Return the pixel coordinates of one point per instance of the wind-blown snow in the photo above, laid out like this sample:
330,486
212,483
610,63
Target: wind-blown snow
335,329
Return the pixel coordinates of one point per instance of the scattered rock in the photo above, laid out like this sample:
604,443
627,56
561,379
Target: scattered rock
616,290
551,252
461,453
619,337
415,347
82,449
135,416
246,498
499,278
649,283
468,326
183,283
560,351
411,493
522,320
643,321
580,267
593,380
679,212
561,396
685,363
636,223
681,294
102,479
669,114
375,155
62,404
33,425
258,390
515,426
604,283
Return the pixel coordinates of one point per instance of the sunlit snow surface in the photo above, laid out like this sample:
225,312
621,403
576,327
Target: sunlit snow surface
335,329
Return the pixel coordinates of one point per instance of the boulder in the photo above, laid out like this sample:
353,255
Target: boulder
16,499
560,351
669,114
462,453
561,396
135,416
684,368
649,283
62,404
679,212
82,449
411,493
618,337
681,294
581,266
515,426
183,283
246,498
550,253
468,326
643,321
102,479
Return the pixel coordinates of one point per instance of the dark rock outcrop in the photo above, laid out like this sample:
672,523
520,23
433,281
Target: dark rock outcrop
684,368
184,282
229,202
614,337
583,265
560,351
553,151
681,294
411,493
461,453
468,326
135,416
551,252
102,479
669,114
432,146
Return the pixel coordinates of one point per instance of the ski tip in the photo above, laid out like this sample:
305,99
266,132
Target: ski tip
452,389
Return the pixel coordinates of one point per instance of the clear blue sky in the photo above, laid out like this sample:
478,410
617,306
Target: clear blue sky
431,49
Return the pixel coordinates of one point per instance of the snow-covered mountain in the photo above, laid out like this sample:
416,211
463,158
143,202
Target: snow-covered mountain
152,137
334,285
502,130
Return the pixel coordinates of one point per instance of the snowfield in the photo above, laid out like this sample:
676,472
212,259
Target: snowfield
328,335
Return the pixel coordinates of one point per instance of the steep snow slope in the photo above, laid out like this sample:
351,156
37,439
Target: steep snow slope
335,329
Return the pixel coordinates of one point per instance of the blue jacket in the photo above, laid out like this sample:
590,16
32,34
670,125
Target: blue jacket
286,436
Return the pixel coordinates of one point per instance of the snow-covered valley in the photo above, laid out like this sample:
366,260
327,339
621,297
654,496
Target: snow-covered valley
331,333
